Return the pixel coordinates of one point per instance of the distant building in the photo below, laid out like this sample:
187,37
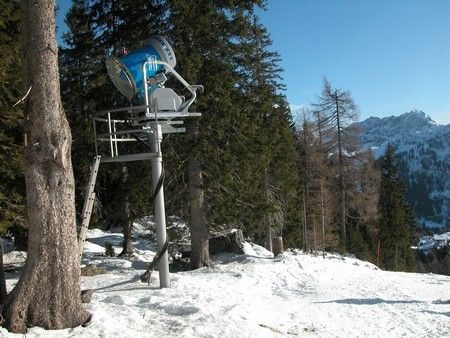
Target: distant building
438,242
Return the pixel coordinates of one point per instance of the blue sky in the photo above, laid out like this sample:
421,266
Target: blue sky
393,55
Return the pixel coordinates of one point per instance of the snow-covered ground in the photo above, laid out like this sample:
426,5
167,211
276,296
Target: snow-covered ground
256,295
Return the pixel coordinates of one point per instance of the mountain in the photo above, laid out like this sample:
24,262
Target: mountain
423,150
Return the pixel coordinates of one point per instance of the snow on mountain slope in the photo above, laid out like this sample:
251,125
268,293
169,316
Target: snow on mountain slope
256,295
423,149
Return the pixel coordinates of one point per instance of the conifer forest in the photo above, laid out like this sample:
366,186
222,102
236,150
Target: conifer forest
246,183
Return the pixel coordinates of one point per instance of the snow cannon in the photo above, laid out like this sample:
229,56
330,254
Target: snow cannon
126,71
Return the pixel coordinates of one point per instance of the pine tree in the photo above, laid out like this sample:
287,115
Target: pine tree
208,154
80,63
97,29
12,188
126,25
215,172
395,231
271,153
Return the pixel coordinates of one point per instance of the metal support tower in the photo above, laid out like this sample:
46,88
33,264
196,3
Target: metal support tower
162,113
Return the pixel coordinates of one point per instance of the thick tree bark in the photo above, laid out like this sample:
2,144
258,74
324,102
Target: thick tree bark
48,292
197,221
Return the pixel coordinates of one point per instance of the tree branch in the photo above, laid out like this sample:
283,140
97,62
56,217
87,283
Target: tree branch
23,98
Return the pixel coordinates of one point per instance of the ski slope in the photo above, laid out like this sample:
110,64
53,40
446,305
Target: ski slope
256,295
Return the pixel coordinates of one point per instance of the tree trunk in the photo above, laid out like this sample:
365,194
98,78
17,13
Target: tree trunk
323,219
127,245
314,235
396,257
277,245
2,275
48,292
266,218
127,223
343,237
305,185
197,222
378,252
305,238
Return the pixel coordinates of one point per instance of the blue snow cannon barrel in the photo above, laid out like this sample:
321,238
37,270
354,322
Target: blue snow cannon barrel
126,71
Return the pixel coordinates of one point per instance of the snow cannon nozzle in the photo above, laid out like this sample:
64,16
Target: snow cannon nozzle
126,71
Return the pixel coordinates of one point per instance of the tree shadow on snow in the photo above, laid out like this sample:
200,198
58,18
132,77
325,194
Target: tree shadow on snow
437,313
114,239
130,282
144,245
370,301
139,265
225,258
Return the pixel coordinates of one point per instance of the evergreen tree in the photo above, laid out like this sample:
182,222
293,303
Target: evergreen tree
395,230
209,153
270,156
80,63
12,190
215,173
97,29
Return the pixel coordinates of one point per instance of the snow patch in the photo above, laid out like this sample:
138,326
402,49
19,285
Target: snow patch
256,295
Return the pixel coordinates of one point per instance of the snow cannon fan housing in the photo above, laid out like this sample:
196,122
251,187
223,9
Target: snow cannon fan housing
126,71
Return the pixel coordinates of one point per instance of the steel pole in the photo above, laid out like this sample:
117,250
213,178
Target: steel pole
160,213
159,209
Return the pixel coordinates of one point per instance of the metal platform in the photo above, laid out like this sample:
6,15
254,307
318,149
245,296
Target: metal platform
114,127
129,158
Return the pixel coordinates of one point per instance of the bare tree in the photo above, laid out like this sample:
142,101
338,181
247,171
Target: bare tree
311,157
338,112
364,197
48,292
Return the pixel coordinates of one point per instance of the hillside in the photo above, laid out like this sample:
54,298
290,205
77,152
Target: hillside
255,295
423,149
